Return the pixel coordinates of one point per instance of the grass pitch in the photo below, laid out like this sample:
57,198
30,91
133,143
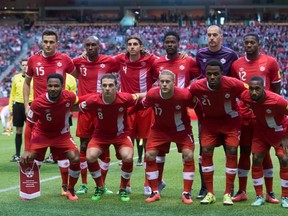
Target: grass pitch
51,203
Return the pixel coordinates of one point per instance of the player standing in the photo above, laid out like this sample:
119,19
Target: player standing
89,71
41,65
220,124
226,56
252,64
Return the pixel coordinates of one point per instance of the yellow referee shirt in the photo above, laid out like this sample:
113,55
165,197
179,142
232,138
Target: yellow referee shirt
16,94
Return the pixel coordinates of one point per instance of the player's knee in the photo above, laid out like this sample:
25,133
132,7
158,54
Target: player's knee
150,155
207,150
258,159
283,160
188,155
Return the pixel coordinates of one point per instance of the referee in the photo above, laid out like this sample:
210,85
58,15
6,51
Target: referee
16,107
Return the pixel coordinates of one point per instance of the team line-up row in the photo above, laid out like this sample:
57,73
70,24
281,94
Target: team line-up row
136,76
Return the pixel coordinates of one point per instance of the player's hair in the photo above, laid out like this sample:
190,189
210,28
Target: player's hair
109,76
56,76
167,72
253,34
214,62
257,78
136,38
172,33
94,38
50,32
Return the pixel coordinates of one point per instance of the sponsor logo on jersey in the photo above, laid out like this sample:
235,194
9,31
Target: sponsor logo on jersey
121,109
262,68
102,65
67,104
268,111
223,61
59,64
182,67
143,63
178,107
227,95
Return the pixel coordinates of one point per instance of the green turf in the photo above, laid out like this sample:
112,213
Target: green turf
51,203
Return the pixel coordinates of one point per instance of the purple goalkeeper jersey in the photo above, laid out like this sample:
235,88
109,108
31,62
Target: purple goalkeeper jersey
225,55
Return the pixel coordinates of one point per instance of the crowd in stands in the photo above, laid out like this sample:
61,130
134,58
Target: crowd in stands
274,42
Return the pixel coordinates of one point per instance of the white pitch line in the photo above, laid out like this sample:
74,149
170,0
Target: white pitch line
56,177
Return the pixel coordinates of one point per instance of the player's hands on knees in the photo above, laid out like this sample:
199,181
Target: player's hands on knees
25,157
284,144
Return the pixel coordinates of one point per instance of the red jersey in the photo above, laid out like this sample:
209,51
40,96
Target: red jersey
90,73
271,113
220,103
136,77
51,118
171,114
40,67
264,66
185,70
111,118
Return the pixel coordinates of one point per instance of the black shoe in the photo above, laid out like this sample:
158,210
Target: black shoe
15,158
202,193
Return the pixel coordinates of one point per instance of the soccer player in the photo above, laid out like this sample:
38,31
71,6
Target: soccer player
110,109
16,107
226,56
271,112
252,64
63,163
47,126
39,66
172,124
136,75
89,71
185,70
215,50
220,124
42,64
